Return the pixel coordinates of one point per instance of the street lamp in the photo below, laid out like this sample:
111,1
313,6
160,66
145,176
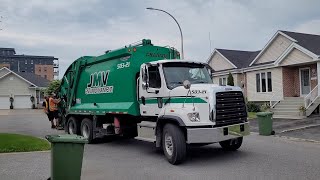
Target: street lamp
150,8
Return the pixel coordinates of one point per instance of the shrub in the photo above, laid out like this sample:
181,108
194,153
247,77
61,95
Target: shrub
230,80
252,107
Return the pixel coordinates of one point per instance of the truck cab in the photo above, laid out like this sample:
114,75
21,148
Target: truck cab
184,100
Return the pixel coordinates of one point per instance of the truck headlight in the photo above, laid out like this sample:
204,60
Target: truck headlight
194,117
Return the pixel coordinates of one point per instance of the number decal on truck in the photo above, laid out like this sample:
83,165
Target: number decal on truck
123,65
98,83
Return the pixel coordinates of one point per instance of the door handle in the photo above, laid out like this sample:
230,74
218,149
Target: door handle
143,100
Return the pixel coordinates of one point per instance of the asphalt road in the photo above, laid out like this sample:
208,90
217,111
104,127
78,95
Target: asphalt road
259,158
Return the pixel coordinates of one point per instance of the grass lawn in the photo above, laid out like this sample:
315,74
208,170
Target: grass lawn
21,143
252,115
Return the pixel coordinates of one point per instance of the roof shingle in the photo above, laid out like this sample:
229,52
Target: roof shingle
241,59
35,79
308,41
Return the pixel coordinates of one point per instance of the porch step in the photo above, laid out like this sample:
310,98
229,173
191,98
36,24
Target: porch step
275,116
285,109
287,113
291,102
288,106
294,98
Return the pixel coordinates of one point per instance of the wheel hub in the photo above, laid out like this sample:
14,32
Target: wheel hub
168,144
85,131
71,128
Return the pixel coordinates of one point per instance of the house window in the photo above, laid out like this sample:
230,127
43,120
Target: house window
223,81
26,61
264,82
31,61
45,69
269,82
45,76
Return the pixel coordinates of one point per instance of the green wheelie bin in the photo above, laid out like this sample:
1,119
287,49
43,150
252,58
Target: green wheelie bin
265,123
66,156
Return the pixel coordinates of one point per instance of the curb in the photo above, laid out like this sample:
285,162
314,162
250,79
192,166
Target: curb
291,138
15,153
298,139
299,128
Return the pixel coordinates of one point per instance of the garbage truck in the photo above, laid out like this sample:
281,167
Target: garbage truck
147,92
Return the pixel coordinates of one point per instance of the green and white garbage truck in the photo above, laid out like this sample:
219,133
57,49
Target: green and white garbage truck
147,92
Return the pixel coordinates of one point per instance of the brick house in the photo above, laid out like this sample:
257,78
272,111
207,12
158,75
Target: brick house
284,73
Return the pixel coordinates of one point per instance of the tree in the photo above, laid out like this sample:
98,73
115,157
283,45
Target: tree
52,87
230,80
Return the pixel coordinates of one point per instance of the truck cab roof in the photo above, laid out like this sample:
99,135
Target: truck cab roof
174,61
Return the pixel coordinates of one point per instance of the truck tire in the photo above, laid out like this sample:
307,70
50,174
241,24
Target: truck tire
86,129
231,144
174,144
73,126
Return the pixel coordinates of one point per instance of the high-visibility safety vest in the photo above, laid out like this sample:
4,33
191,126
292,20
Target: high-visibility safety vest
52,105
46,109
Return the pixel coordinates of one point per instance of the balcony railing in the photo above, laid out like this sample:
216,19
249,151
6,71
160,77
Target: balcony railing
274,101
311,97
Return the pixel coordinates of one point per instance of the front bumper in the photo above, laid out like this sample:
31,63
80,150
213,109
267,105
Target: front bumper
212,135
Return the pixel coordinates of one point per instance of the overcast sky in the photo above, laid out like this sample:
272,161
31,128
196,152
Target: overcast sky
68,29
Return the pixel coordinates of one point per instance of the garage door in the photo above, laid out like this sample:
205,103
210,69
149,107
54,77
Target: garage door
4,102
22,102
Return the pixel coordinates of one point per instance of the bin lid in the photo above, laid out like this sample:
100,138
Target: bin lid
262,114
66,138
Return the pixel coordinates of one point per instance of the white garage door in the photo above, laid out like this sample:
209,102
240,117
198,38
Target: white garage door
22,102
4,102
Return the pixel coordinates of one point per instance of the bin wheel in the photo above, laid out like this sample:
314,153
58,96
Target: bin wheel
73,126
86,129
174,144
231,144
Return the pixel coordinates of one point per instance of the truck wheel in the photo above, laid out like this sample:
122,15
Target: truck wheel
86,129
174,144
231,144
72,126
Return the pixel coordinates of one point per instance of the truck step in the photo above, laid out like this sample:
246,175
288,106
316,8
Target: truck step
146,139
146,131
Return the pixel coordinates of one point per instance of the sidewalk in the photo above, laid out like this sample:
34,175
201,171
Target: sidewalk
307,128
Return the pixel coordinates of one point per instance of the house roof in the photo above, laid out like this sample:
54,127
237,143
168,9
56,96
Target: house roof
35,79
241,59
308,41
31,78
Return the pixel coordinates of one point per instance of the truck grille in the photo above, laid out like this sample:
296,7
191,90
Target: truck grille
230,108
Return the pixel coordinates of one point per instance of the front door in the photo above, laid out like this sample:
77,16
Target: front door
305,85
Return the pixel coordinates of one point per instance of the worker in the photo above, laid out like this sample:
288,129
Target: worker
46,110
53,109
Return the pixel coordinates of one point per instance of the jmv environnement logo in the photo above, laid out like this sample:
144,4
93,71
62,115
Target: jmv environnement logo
98,83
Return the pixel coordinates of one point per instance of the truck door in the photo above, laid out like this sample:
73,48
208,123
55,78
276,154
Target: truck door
150,90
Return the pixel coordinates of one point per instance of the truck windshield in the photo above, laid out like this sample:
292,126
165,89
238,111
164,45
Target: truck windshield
176,73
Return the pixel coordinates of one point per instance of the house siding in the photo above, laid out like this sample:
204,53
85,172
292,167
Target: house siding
296,57
275,49
277,86
219,63
13,85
